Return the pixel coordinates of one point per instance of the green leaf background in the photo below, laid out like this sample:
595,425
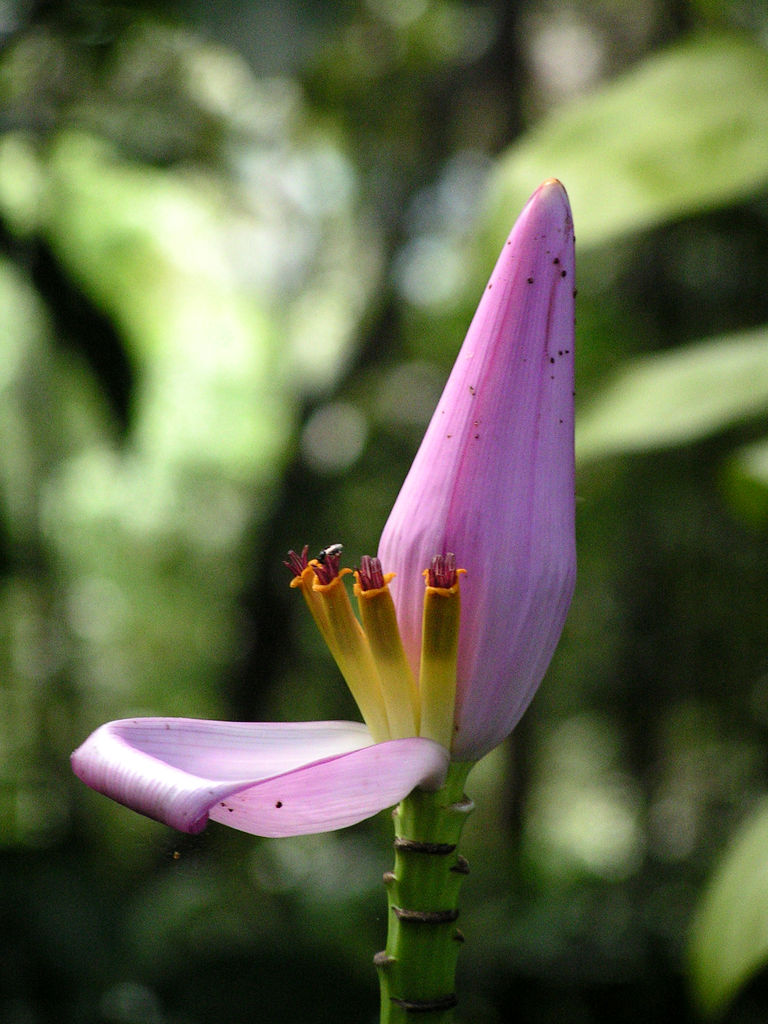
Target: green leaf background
229,294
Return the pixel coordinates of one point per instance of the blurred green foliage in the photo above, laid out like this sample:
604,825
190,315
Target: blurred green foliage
239,247
729,936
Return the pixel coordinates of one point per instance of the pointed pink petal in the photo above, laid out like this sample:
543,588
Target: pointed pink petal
493,481
181,771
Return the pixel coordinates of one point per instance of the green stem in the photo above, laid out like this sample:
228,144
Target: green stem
418,967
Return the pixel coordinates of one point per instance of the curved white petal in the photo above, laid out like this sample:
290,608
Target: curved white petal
265,778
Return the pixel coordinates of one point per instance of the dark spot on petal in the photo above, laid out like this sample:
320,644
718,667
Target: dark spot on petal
563,273
530,280
477,437
556,259
279,803
551,359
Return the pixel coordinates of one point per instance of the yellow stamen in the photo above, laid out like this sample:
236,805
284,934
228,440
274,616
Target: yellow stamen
398,687
439,648
349,646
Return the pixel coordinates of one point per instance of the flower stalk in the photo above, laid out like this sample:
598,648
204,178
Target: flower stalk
418,967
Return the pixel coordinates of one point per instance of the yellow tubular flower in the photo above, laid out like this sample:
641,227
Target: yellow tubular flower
350,648
304,582
327,599
439,649
377,612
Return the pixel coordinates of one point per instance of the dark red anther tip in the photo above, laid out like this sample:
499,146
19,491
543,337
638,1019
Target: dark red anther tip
369,574
442,571
297,563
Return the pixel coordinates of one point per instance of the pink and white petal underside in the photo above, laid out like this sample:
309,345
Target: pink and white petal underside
337,792
183,771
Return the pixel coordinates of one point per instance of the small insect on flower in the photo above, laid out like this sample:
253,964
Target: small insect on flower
332,551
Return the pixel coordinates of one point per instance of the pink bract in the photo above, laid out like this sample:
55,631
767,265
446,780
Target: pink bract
493,482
